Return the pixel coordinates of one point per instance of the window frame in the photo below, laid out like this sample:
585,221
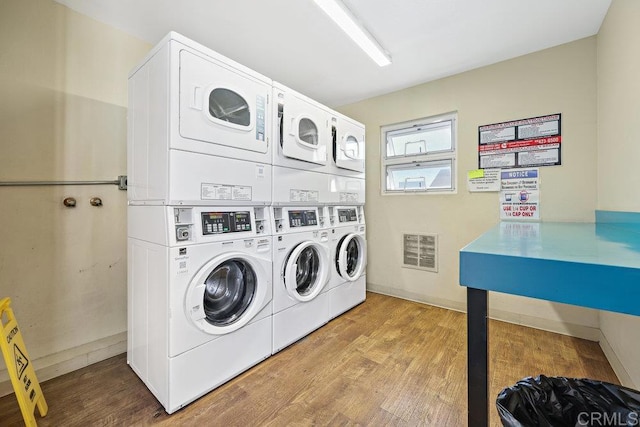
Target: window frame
407,161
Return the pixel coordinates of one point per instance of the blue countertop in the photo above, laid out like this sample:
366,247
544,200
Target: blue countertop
586,264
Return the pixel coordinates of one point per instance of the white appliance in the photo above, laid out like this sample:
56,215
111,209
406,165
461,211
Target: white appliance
297,187
199,128
346,190
301,132
347,285
199,297
301,269
347,146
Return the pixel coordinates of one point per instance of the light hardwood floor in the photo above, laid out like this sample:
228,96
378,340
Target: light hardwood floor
386,362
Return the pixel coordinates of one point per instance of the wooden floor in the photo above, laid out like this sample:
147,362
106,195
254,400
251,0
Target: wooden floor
386,362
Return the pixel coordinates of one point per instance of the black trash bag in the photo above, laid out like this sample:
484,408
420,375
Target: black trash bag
557,401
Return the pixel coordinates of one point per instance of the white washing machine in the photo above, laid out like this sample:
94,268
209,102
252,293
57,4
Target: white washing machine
199,297
347,284
199,129
301,270
301,132
347,146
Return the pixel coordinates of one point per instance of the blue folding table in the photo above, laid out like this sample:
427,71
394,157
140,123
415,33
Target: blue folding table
585,264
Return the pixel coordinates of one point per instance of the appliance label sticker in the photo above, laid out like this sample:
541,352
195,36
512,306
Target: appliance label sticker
313,196
304,196
260,171
215,191
224,192
181,264
348,197
241,192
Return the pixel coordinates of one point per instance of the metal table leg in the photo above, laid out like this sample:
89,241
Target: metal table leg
477,358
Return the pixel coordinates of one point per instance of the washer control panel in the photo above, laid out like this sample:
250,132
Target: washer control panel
347,215
225,222
303,218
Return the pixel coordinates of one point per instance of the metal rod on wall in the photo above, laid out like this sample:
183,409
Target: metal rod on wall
121,182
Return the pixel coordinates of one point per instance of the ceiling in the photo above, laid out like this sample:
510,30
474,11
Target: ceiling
295,43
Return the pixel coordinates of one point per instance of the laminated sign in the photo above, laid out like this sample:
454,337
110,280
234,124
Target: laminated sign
519,194
21,372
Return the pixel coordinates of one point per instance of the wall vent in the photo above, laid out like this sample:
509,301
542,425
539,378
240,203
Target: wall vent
420,251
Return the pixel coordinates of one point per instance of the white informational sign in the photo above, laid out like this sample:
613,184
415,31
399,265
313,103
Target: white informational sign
531,142
304,196
209,191
519,194
483,180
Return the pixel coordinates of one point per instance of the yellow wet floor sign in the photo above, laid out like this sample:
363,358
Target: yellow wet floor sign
21,372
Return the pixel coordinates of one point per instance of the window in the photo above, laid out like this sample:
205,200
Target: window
420,156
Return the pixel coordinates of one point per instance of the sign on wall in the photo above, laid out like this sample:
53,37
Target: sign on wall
521,143
483,180
519,194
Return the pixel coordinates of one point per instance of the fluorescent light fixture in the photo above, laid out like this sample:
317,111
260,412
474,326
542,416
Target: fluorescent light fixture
349,24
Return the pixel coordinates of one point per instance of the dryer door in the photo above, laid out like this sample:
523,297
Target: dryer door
221,105
304,133
227,293
306,271
348,146
351,256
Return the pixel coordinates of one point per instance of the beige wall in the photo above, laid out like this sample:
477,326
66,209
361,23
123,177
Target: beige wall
557,80
619,153
63,85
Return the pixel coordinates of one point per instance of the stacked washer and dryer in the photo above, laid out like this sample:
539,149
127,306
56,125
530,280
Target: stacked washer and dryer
199,231
318,166
245,219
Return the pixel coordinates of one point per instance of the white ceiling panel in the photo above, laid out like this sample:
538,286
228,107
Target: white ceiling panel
294,42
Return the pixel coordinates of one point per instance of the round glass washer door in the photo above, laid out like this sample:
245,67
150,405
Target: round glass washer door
226,293
306,271
351,256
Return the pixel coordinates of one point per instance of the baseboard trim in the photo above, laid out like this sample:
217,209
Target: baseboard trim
411,296
70,360
616,365
556,326
589,333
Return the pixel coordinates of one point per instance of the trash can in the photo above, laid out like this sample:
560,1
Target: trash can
558,401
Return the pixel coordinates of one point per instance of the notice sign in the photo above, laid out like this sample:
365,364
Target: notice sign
521,143
483,180
519,194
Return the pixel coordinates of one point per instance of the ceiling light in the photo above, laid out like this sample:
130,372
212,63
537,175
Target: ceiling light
350,25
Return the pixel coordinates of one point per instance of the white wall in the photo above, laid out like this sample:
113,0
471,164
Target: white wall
557,80
619,154
63,85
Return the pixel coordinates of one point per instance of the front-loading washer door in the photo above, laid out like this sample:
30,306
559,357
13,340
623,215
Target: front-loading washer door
226,293
351,256
306,271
